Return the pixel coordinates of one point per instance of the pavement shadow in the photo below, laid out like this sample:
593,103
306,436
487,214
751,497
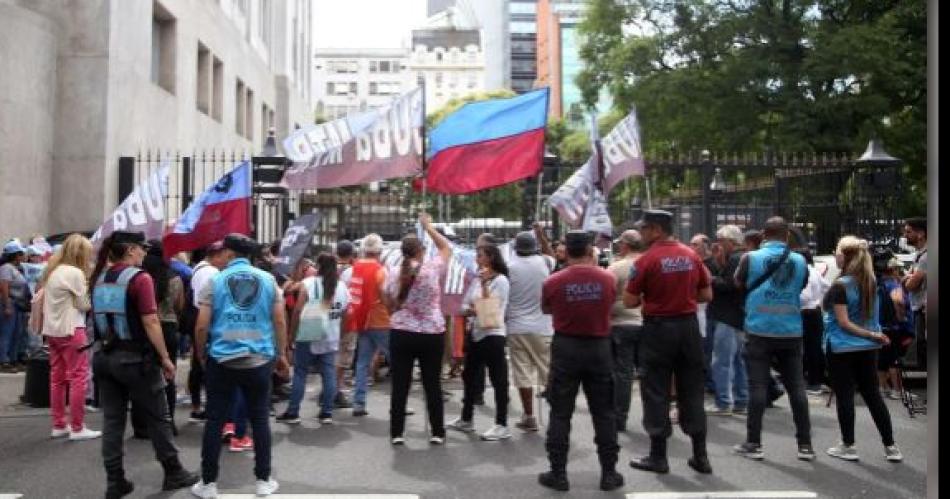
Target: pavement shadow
846,480
325,437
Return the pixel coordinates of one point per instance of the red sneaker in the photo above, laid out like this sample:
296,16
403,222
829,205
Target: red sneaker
228,430
241,444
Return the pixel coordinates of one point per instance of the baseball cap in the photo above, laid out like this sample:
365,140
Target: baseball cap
577,239
34,250
525,243
662,218
13,247
127,237
240,244
630,237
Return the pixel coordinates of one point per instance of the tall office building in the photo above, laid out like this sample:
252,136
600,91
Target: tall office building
523,29
558,56
490,18
354,80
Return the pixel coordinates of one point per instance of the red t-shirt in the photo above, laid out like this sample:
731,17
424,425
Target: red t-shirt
668,276
579,298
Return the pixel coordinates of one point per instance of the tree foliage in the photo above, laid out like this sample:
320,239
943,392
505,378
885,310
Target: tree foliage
778,75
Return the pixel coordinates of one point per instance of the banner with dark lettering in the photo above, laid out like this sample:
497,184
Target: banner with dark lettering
358,149
143,210
297,239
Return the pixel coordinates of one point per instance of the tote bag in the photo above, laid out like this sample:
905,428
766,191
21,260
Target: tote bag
315,316
487,310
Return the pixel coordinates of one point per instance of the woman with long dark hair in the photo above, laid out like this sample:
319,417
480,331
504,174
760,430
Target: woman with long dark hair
418,329
325,293
852,339
487,346
170,296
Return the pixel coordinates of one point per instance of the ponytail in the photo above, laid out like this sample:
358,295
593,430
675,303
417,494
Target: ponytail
326,269
102,259
411,248
859,265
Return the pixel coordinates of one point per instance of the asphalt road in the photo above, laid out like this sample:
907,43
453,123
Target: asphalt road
354,457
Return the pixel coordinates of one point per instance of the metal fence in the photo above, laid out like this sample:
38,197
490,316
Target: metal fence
824,195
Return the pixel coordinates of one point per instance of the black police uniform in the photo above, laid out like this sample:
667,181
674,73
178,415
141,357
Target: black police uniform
127,370
671,345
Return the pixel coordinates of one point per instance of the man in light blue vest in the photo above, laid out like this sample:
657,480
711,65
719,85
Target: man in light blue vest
241,319
773,278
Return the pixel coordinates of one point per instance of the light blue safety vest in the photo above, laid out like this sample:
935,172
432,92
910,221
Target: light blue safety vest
241,319
836,339
774,308
109,303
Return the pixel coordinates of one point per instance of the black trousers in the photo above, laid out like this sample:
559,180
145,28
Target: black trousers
123,377
624,342
672,347
577,362
170,333
490,353
787,356
920,328
404,348
813,356
852,370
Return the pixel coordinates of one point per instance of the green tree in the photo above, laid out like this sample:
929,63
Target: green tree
746,76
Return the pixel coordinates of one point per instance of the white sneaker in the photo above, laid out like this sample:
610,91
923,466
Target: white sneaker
205,490
266,487
59,432
436,440
461,425
497,432
398,441
84,434
893,454
842,451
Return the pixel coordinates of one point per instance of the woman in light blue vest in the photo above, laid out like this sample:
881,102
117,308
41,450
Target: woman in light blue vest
852,339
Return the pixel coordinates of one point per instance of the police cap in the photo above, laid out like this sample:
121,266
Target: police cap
240,244
662,218
126,237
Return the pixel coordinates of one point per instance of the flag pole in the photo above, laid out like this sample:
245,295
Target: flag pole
425,162
537,202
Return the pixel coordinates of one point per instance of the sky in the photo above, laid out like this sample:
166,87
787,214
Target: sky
366,23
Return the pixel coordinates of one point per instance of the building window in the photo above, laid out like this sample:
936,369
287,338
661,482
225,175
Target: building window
343,67
163,48
522,8
472,81
204,79
217,89
438,80
385,67
239,103
249,120
438,55
341,88
265,22
524,27
373,66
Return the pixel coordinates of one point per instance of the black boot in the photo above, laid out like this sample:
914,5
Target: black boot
176,476
700,461
119,488
556,480
656,461
610,479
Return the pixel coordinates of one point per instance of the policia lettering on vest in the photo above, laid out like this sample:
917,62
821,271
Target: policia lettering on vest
133,362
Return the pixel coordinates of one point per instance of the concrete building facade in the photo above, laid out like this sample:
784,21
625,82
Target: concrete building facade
490,17
87,82
354,80
523,29
451,61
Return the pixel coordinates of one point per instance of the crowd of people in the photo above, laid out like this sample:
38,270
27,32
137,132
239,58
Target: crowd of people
713,316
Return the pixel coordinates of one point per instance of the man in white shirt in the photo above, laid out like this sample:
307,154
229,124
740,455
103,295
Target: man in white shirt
214,261
529,330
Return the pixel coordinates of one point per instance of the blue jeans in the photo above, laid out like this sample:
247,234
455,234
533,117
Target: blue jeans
368,343
220,384
10,327
728,368
326,362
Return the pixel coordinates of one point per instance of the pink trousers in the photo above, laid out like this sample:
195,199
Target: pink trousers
68,369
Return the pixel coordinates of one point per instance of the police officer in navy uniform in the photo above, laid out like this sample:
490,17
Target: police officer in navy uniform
669,279
242,322
133,363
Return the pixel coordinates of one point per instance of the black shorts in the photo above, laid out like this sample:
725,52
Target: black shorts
888,356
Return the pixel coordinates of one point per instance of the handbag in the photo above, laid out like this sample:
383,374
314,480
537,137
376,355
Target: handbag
487,310
314,318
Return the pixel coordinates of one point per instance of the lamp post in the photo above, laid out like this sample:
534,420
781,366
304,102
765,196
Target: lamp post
267,172
883,175
706,170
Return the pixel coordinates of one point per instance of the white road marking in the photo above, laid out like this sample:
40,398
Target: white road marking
757,494
10,496
316,496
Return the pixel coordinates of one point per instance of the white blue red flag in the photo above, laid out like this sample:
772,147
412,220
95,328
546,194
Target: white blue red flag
220,210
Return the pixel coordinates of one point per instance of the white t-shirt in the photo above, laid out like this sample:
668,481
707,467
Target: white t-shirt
526,275
341,299
497,288
815,289
204,273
